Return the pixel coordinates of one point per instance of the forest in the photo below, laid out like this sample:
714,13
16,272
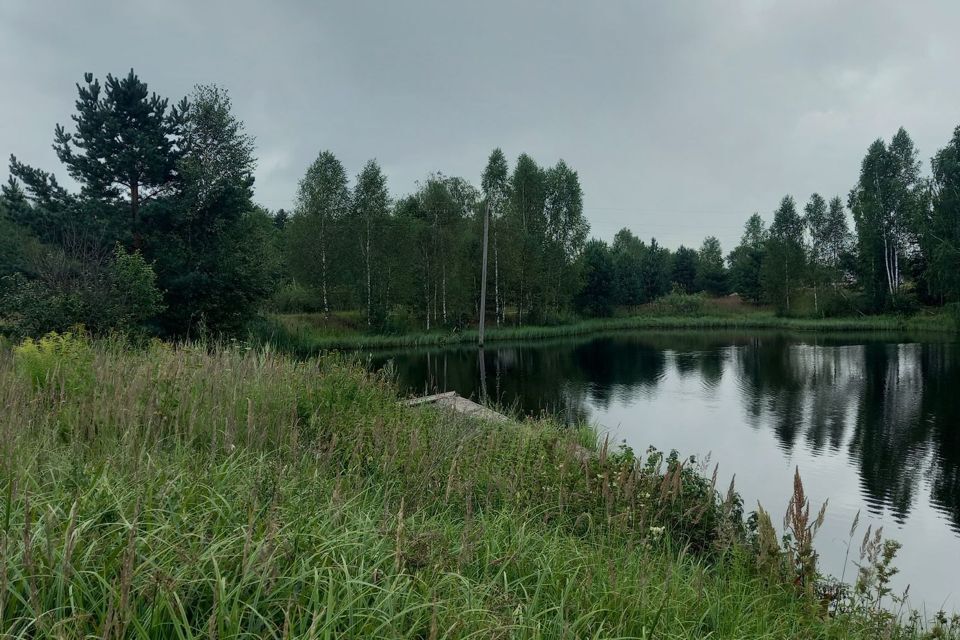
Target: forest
163,236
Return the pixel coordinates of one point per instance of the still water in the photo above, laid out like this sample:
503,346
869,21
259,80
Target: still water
872,422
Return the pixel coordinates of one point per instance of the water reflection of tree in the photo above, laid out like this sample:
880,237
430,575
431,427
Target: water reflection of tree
889,441
901,403
618,367
772,382
832,387
940,412
894,408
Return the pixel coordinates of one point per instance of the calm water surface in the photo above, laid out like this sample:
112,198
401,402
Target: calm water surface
872,422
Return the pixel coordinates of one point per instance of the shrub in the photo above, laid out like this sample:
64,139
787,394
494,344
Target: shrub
57,359
295,298
114,291
133,284
682,304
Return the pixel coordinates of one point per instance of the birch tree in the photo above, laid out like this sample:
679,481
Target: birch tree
942,232
371,205
884,203
783,264
566,227
526,229
323,199
495,187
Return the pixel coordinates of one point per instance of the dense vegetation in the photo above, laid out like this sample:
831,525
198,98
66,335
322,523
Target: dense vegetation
163,236
179,491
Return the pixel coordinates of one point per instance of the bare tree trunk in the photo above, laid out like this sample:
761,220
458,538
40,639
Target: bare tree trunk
443,294
896,267
483,284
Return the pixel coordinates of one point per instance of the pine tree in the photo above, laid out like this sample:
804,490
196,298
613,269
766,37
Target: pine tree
125,145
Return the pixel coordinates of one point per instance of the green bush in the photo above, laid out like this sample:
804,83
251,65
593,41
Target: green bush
678,303
293,297
119,293
58,360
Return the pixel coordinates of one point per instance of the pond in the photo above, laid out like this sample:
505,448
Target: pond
871,421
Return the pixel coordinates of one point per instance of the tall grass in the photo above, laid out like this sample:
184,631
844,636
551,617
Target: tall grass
184,491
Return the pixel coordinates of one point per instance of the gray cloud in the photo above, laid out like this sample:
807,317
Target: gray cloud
682,117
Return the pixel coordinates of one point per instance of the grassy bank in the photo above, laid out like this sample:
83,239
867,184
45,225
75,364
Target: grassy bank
177,492
306,334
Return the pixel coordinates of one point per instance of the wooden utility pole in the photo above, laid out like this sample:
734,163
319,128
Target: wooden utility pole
483,275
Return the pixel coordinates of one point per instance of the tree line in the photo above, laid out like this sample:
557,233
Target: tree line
163,235
357,248
903,249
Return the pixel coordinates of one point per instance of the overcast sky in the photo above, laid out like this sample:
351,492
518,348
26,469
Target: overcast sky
682,118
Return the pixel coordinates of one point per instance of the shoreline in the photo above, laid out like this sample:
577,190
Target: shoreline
305,339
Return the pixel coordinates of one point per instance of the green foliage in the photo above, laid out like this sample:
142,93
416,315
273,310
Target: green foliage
323,199
598,293
642,271
368,219
746,261
940,231
173,185
18,245
885,204
293,297
711,273
566,233
88,286
680,303
124,148
784,261
59,361
214,250
684,269
134,296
